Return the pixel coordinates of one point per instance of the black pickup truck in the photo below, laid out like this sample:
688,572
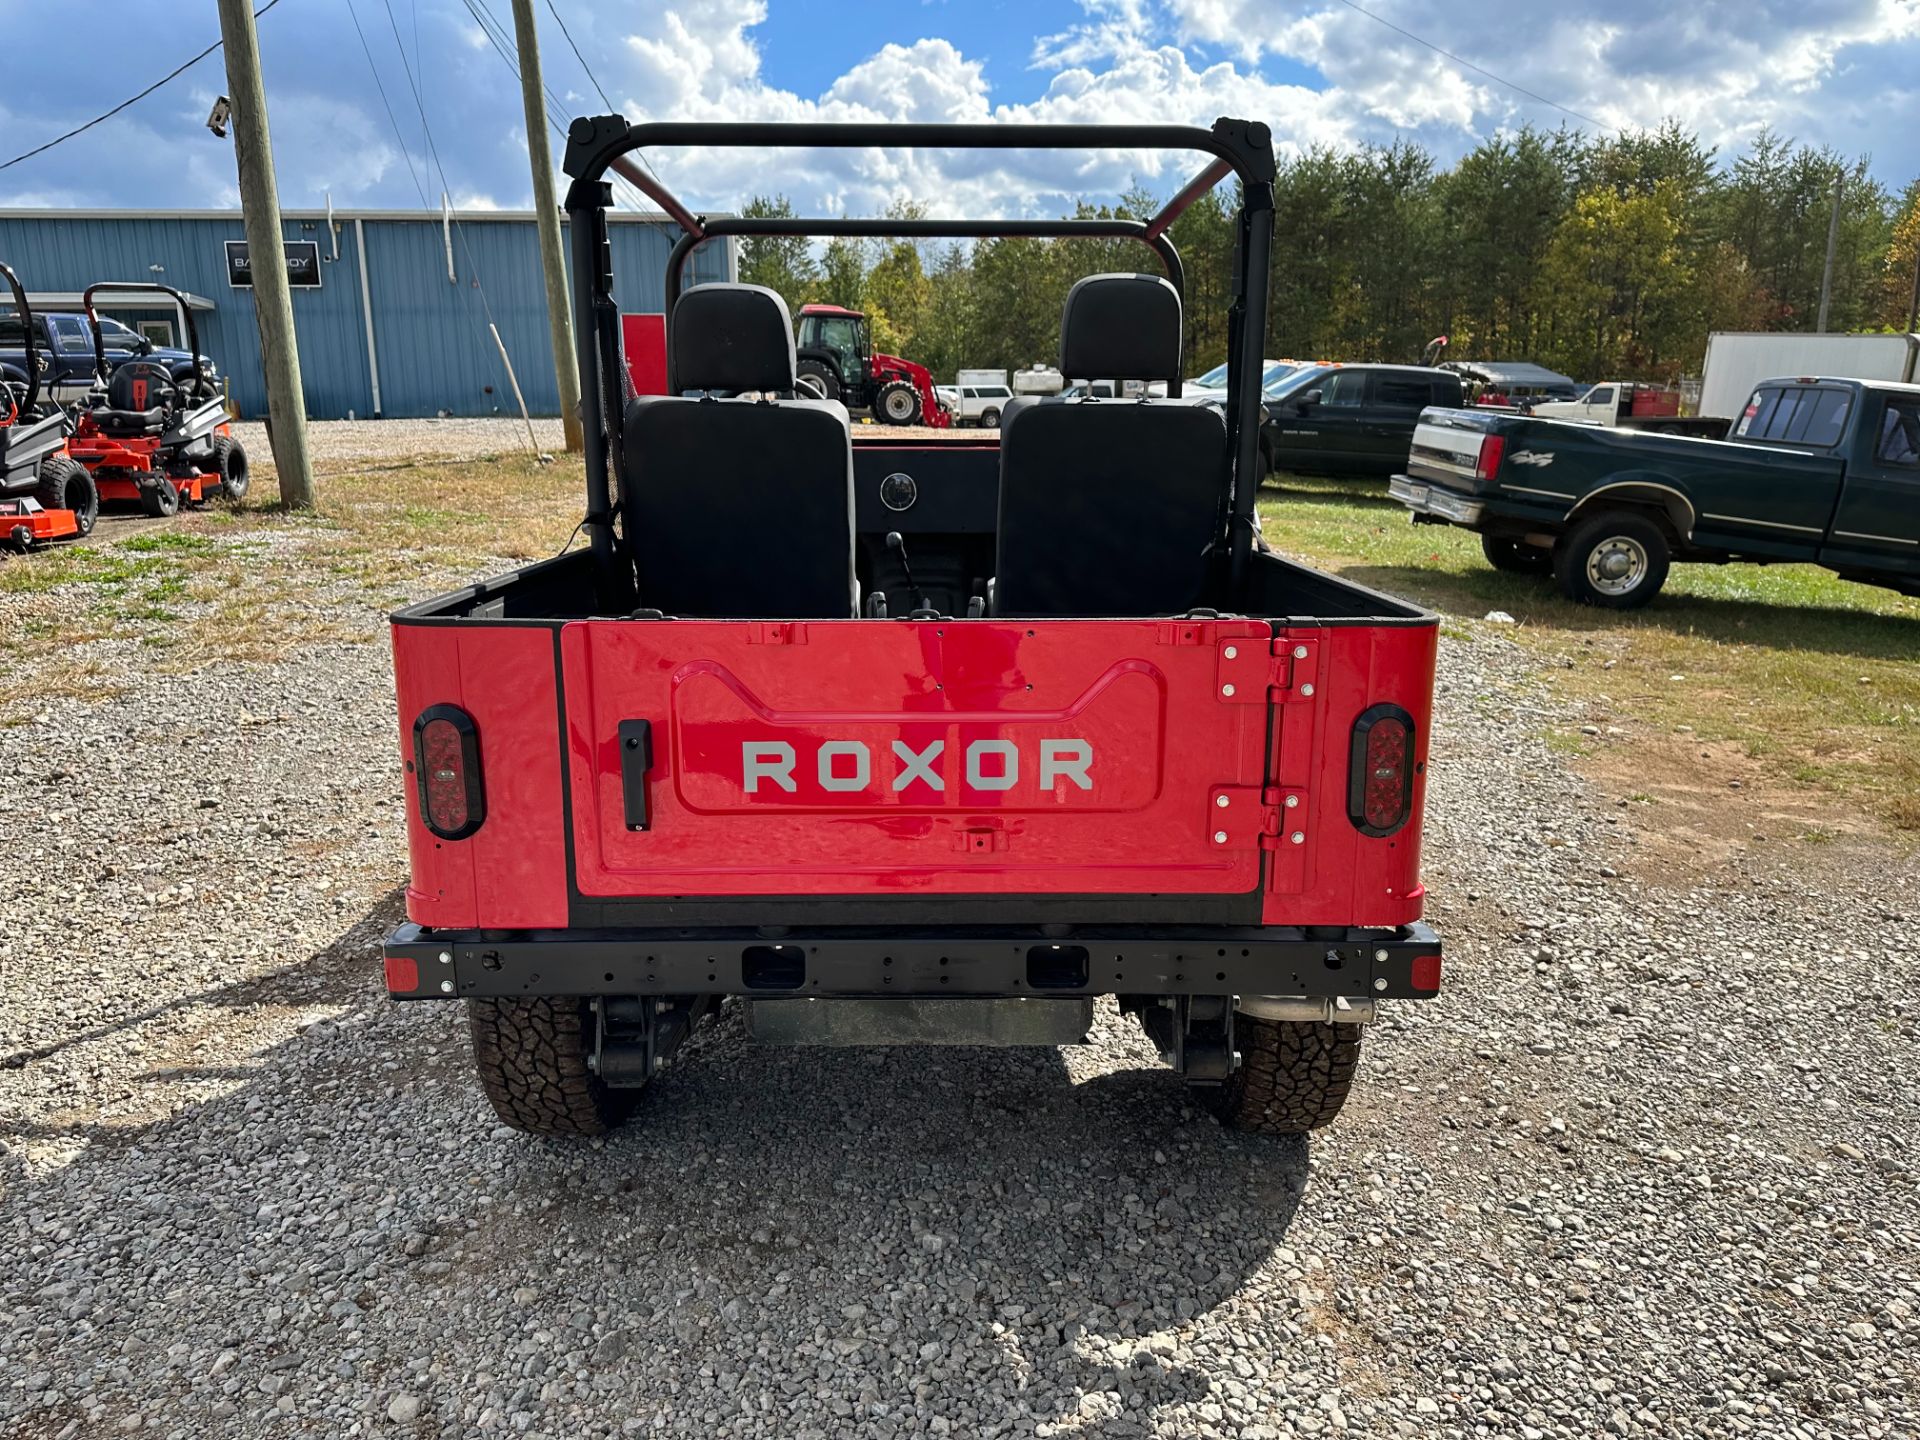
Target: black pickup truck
65,345
1816,470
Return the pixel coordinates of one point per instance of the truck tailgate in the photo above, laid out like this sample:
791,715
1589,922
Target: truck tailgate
1043,757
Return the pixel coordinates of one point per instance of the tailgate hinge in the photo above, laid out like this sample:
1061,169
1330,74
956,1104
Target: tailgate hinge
1296,669
1248,815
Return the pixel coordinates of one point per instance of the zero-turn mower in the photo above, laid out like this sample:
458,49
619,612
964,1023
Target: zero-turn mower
44,495
150,437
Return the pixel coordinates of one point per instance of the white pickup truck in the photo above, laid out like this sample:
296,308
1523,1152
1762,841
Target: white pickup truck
1612,403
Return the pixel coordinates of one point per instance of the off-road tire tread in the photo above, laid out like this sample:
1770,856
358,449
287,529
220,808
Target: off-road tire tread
57,472
224,448
1293,1075
531,1056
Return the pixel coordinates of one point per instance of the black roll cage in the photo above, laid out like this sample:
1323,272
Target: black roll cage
24,412
202,386
598,144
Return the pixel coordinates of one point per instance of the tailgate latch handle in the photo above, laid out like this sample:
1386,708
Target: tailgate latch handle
636,758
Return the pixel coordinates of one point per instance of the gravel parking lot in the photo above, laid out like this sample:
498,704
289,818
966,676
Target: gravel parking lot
1647,1168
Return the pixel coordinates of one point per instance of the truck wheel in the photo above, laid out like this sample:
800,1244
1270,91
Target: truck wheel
1503,552
897,404
65,484
230,464
817,377
162,499
1617,560
989,419
1293,1075
531,1056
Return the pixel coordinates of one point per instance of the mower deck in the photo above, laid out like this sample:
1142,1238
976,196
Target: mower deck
25,524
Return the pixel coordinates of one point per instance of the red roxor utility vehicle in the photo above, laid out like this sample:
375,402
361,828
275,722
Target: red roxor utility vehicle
910,743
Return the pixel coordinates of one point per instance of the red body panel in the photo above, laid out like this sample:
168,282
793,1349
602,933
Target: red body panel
1164,746
119,462
512,871
643,340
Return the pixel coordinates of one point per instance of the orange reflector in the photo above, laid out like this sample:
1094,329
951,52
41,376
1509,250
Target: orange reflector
1426,973
403,974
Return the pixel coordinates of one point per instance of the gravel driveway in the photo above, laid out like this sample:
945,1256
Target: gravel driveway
1647,1169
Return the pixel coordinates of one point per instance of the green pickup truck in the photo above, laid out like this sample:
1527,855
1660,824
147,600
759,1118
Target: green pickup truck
1816,470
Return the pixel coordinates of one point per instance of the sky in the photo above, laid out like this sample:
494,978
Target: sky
1844,73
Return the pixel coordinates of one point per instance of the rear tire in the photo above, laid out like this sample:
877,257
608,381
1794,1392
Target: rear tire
898,403
1516,557
1617,560
989,419
230,464
816,377
162,500
1293,1075
531,1056
65,484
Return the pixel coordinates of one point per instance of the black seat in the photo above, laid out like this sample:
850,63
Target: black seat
140,394
1111,506
738,508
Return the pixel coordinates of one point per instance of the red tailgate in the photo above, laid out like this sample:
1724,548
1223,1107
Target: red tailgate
856,757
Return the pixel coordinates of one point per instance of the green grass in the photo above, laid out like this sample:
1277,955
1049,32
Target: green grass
1814,676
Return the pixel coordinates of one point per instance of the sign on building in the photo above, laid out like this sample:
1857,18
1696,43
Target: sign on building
303,264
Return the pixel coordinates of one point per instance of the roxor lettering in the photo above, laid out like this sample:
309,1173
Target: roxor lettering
987,766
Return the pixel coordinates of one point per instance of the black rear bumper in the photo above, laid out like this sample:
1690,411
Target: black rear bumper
895,961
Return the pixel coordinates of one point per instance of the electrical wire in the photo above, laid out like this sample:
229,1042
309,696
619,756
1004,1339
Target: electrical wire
508,52
554,11
1478,70
392,119
173,74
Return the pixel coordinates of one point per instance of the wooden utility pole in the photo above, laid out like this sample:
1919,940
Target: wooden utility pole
1833,236
266,254
546,211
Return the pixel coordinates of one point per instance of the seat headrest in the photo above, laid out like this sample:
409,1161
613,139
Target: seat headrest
1121,327
732,338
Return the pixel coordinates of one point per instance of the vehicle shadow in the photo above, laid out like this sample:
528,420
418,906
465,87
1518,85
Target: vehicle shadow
955,1231
1828,629
1058,1231
1344,491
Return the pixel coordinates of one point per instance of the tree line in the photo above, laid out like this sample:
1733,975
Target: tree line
1602,258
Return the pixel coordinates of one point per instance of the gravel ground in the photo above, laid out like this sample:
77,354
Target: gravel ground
336,440
1646,1169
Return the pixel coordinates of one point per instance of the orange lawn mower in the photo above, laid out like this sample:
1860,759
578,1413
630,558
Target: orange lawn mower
44,495
155,438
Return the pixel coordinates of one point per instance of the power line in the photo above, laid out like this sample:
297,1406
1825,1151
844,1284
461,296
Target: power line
392,119
484,17
173,74
1478,70
553,10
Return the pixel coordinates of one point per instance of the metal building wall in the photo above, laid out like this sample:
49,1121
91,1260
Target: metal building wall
434,351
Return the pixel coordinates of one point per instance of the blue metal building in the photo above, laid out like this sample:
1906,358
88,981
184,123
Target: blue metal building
397,325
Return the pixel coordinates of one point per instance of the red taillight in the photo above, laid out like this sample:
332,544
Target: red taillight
1492,447
446,759
403,975
1380,778
1425,975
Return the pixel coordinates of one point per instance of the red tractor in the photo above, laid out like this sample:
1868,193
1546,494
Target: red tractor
836,361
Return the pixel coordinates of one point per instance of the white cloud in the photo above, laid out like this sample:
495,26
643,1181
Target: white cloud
1724,67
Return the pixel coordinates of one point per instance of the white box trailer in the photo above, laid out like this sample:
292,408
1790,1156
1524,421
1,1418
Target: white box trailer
982,377
1738,360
